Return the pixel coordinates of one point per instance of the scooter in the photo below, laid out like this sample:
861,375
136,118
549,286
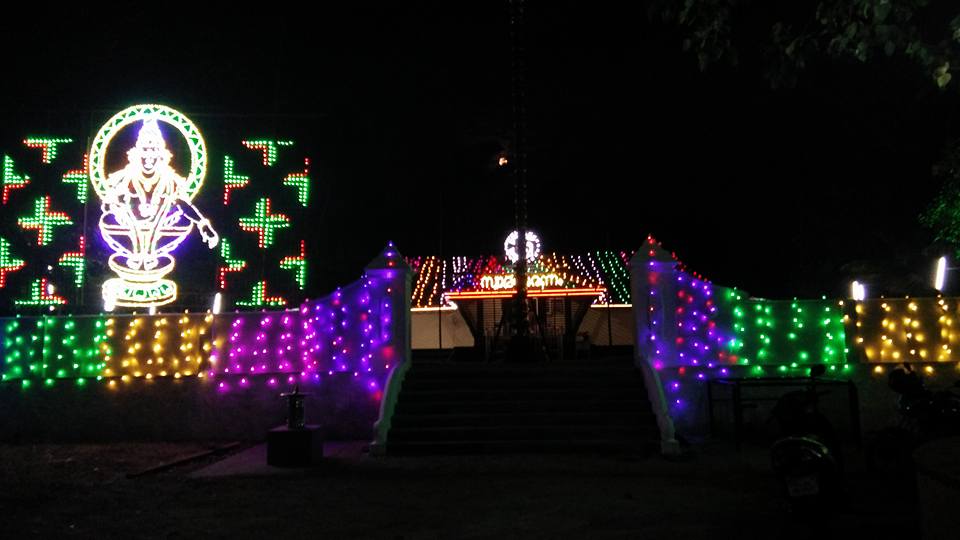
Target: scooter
806,457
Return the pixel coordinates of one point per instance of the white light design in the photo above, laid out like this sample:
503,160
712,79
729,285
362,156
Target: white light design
217,301
533,246
146,205
941,274
858,291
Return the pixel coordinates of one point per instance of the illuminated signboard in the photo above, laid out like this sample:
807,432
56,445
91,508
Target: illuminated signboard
509,281
146,205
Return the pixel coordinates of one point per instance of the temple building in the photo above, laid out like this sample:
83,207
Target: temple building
576,300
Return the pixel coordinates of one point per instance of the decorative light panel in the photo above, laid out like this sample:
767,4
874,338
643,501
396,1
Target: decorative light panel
147,205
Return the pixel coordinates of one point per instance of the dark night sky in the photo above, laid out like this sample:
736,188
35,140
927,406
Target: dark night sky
769,190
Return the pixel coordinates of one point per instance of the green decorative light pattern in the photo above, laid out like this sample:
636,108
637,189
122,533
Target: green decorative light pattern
8,263
231,179
230,264
44,221
75,261
11,180
615,271
298,265
301,182
39,295
268,147
48,146
264,223
788,333
79,178
259,298
49,348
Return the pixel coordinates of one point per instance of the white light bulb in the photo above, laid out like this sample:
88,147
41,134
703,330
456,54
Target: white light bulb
941,274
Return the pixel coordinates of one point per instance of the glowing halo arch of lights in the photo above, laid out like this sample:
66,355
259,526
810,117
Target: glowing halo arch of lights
198,148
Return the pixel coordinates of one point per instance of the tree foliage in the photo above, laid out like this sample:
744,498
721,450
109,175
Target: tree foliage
943,215
791,34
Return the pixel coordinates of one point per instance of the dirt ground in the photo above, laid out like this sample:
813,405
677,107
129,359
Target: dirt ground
83,491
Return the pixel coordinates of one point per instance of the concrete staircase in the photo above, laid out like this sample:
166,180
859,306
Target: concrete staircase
467,408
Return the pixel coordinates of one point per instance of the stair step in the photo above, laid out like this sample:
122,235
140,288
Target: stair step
456,408
401,420
563,446
415,382
537,394
522,433
640,404
536,370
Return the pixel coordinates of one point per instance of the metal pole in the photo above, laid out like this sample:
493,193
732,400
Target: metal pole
440,274
521,323
609,320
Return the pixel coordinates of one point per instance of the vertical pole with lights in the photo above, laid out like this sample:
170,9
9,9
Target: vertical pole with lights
521,330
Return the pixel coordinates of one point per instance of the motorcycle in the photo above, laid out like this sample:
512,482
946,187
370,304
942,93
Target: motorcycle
806,457
924,415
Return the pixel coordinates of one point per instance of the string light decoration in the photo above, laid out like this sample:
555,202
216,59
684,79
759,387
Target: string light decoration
694,331
159,346
268,147
51,348
44,221
79,178
427,291
12,180
301,182
75,261
298,265
230,264
8,263
597,270
41,295
264,223
615,275
797,332
259,297
231,179
47,145
905,329
356,334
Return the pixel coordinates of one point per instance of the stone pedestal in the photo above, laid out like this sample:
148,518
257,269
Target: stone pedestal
294,447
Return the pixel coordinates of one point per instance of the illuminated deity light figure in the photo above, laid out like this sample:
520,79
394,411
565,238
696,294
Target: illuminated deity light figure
147,213
532,247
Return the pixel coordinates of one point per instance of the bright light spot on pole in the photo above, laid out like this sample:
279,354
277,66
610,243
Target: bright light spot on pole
858,291
941,274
